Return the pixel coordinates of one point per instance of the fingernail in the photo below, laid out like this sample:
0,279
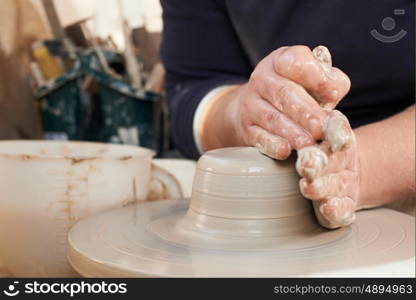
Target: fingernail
322,54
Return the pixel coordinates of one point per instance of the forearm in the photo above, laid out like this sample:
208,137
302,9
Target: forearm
387,158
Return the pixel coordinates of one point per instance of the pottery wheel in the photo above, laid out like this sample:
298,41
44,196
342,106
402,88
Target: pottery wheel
246,218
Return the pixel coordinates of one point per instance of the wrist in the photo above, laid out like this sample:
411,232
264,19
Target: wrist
217,123
232,113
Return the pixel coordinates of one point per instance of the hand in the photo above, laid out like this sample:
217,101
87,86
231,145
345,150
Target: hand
331,173
281,106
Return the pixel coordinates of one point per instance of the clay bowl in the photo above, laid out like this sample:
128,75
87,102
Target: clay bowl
47,186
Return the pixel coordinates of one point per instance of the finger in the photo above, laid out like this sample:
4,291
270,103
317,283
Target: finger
338,133
269,144
323,56
339,141
337,212
311,162
327,84
291,99
268,117
326,187
318,160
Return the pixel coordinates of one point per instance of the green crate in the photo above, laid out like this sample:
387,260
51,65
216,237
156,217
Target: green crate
121,114
129,118
61,110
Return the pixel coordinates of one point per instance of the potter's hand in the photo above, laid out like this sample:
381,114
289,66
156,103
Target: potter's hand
330,172
281,106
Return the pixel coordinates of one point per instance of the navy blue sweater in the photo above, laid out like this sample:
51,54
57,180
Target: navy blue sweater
208,43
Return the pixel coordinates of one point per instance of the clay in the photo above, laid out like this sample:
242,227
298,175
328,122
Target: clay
341,220
316,160
246,217
336,131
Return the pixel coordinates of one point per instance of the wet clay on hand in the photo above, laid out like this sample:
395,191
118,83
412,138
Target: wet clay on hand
330,169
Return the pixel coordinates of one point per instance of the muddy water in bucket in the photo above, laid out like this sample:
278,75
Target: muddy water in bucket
245,218
46,187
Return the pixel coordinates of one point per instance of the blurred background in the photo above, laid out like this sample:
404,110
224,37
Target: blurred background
83,70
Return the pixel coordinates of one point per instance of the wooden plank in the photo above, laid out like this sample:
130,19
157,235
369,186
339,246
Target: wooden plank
57,30
53,19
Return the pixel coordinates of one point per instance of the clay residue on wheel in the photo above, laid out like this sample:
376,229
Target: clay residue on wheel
77,160
127,157
22,157
27,157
